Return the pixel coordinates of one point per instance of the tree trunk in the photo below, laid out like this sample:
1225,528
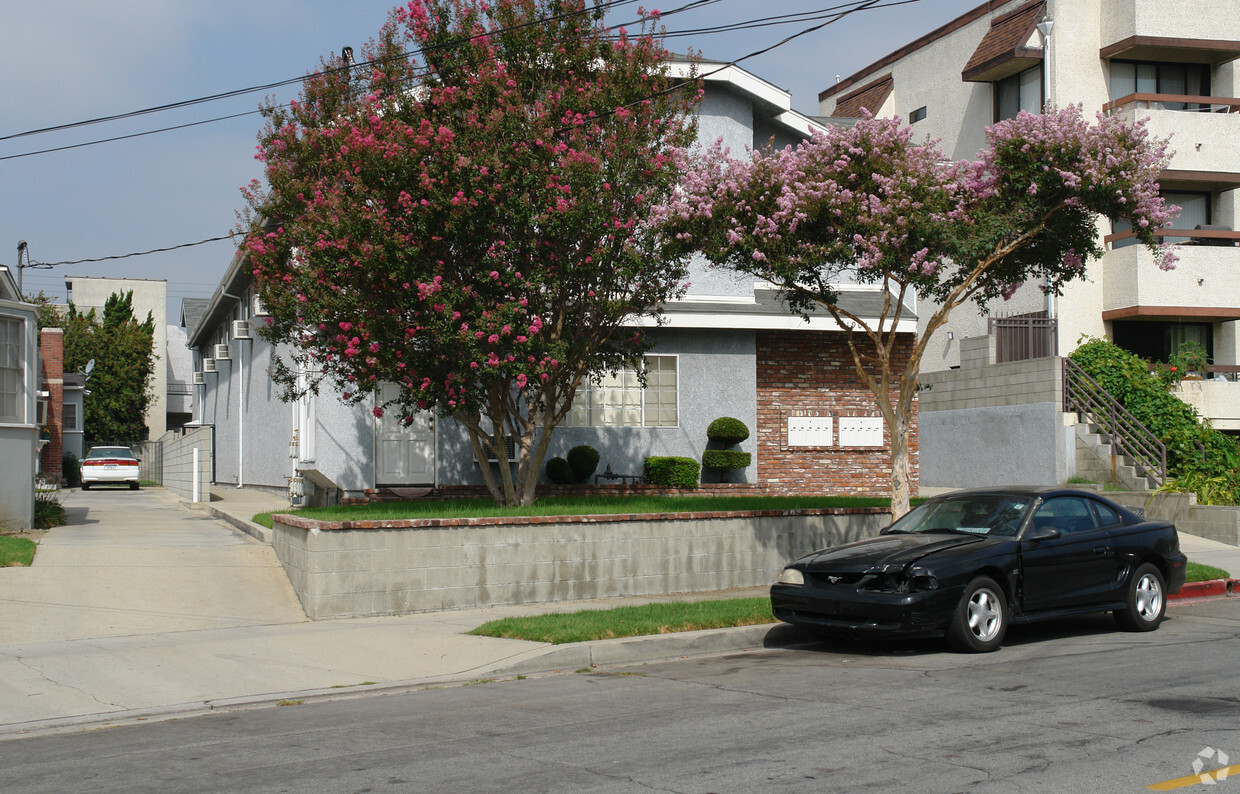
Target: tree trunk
901,469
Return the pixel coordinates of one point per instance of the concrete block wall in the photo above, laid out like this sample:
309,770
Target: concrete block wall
178,459
982,384
366,568
1213,522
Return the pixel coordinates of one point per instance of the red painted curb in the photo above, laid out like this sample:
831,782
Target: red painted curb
1211,589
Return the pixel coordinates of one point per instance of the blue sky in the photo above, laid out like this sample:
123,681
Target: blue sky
75,60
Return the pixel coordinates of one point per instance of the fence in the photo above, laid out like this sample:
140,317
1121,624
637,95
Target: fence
1023,336
151,455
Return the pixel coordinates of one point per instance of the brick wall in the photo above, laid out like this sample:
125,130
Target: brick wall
52,378
811,373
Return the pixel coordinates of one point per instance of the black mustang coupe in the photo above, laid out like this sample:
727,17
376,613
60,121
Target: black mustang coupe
969,563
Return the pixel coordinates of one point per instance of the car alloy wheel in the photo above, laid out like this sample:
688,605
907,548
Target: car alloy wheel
980,620
1146,601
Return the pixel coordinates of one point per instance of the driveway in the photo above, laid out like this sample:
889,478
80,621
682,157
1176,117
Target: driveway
136,562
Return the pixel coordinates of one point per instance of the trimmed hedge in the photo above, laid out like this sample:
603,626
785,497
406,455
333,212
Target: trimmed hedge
560,472
725,459
672,472
727,430
71,470
584,461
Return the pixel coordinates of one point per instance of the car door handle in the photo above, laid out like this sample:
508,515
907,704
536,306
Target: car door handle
1102,551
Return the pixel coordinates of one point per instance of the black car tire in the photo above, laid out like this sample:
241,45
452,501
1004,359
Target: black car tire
980,620
133,486
1146,600
85,486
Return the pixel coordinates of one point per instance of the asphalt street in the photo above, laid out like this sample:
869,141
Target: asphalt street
1069,705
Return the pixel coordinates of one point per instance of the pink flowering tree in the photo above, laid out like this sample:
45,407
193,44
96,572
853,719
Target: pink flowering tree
463,215
868,205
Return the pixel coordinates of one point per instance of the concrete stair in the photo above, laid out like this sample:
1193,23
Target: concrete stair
1096,461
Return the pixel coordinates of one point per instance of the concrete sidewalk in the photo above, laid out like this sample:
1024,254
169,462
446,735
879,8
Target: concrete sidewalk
141,607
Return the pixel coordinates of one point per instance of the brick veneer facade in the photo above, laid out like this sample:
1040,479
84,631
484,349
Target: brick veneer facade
809,373
52,379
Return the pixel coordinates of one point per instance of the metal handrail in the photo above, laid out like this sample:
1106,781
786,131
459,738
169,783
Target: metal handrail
1085,396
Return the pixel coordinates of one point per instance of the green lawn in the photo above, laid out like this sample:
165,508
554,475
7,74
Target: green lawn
16,551
1205,573
575,505
661,618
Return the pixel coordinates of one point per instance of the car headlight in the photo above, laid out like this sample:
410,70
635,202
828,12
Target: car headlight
791,576
916,581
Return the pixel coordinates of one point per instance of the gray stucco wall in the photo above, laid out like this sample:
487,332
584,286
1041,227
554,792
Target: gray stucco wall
388,568
717,376
18,445
178,463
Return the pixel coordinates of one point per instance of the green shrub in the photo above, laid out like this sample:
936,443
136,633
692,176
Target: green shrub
672,472
71,469
559,472
725,459
584,460
48,511
1129,380
727,430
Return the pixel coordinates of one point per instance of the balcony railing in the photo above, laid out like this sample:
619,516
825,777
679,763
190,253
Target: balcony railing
1180,102
1217,237
1022,337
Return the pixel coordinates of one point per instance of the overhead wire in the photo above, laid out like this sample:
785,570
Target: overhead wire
830,15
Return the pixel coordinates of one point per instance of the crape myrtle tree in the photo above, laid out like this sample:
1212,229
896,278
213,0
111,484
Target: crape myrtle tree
463,215
868,205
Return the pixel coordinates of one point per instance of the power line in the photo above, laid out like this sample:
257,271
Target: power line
49,265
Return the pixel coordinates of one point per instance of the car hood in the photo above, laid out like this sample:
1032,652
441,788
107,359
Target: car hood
884,550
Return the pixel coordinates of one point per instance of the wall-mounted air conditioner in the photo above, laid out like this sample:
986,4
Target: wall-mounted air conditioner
199,379
241,329
221,352
258,309
208,365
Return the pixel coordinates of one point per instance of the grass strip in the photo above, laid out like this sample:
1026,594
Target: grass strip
661,618
1197,572
16,551
574,505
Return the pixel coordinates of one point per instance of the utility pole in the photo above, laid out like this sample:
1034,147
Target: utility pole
21,249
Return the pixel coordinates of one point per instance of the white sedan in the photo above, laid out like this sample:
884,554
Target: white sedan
106,465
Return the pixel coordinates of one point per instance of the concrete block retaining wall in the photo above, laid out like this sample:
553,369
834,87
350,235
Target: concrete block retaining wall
366,568
178,462
1212,522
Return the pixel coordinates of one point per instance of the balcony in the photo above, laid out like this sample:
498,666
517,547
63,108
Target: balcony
1202,128
1216,399
1202,285
1201,31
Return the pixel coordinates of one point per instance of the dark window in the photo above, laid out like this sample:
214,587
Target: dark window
1159,341
1065,513
1019,92
917,115
1106,516
1150,77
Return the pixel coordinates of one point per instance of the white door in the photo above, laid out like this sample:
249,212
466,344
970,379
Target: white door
404,455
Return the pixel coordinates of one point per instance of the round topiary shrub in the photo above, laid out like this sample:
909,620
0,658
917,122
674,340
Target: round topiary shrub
584,460
725,459
672,472
727,430
560,472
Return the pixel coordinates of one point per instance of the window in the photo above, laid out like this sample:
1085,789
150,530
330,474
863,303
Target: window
1195,210
917,115
620,401
1066,514
12,370
69,417
1185,79
1019,92
1158,340
1106,516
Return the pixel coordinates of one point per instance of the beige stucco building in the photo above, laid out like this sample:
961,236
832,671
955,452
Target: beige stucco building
1171,62
149,295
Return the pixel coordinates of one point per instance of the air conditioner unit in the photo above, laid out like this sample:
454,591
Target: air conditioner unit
199,379
221,352
511,449
258,309
241,329
208,365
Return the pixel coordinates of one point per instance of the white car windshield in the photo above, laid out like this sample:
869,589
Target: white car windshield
109,452
998,514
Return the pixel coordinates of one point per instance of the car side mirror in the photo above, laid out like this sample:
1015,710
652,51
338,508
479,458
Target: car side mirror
1044,533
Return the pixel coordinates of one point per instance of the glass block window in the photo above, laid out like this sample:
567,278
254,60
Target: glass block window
618,400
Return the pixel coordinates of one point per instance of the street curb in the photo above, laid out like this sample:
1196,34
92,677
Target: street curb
1215,588
256,531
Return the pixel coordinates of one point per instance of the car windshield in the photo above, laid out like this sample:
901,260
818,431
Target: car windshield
989,514
109,452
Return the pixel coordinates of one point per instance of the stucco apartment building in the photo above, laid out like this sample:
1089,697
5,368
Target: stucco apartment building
1169,62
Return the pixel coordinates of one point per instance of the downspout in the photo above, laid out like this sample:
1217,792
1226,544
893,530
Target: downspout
240,413
1044,28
